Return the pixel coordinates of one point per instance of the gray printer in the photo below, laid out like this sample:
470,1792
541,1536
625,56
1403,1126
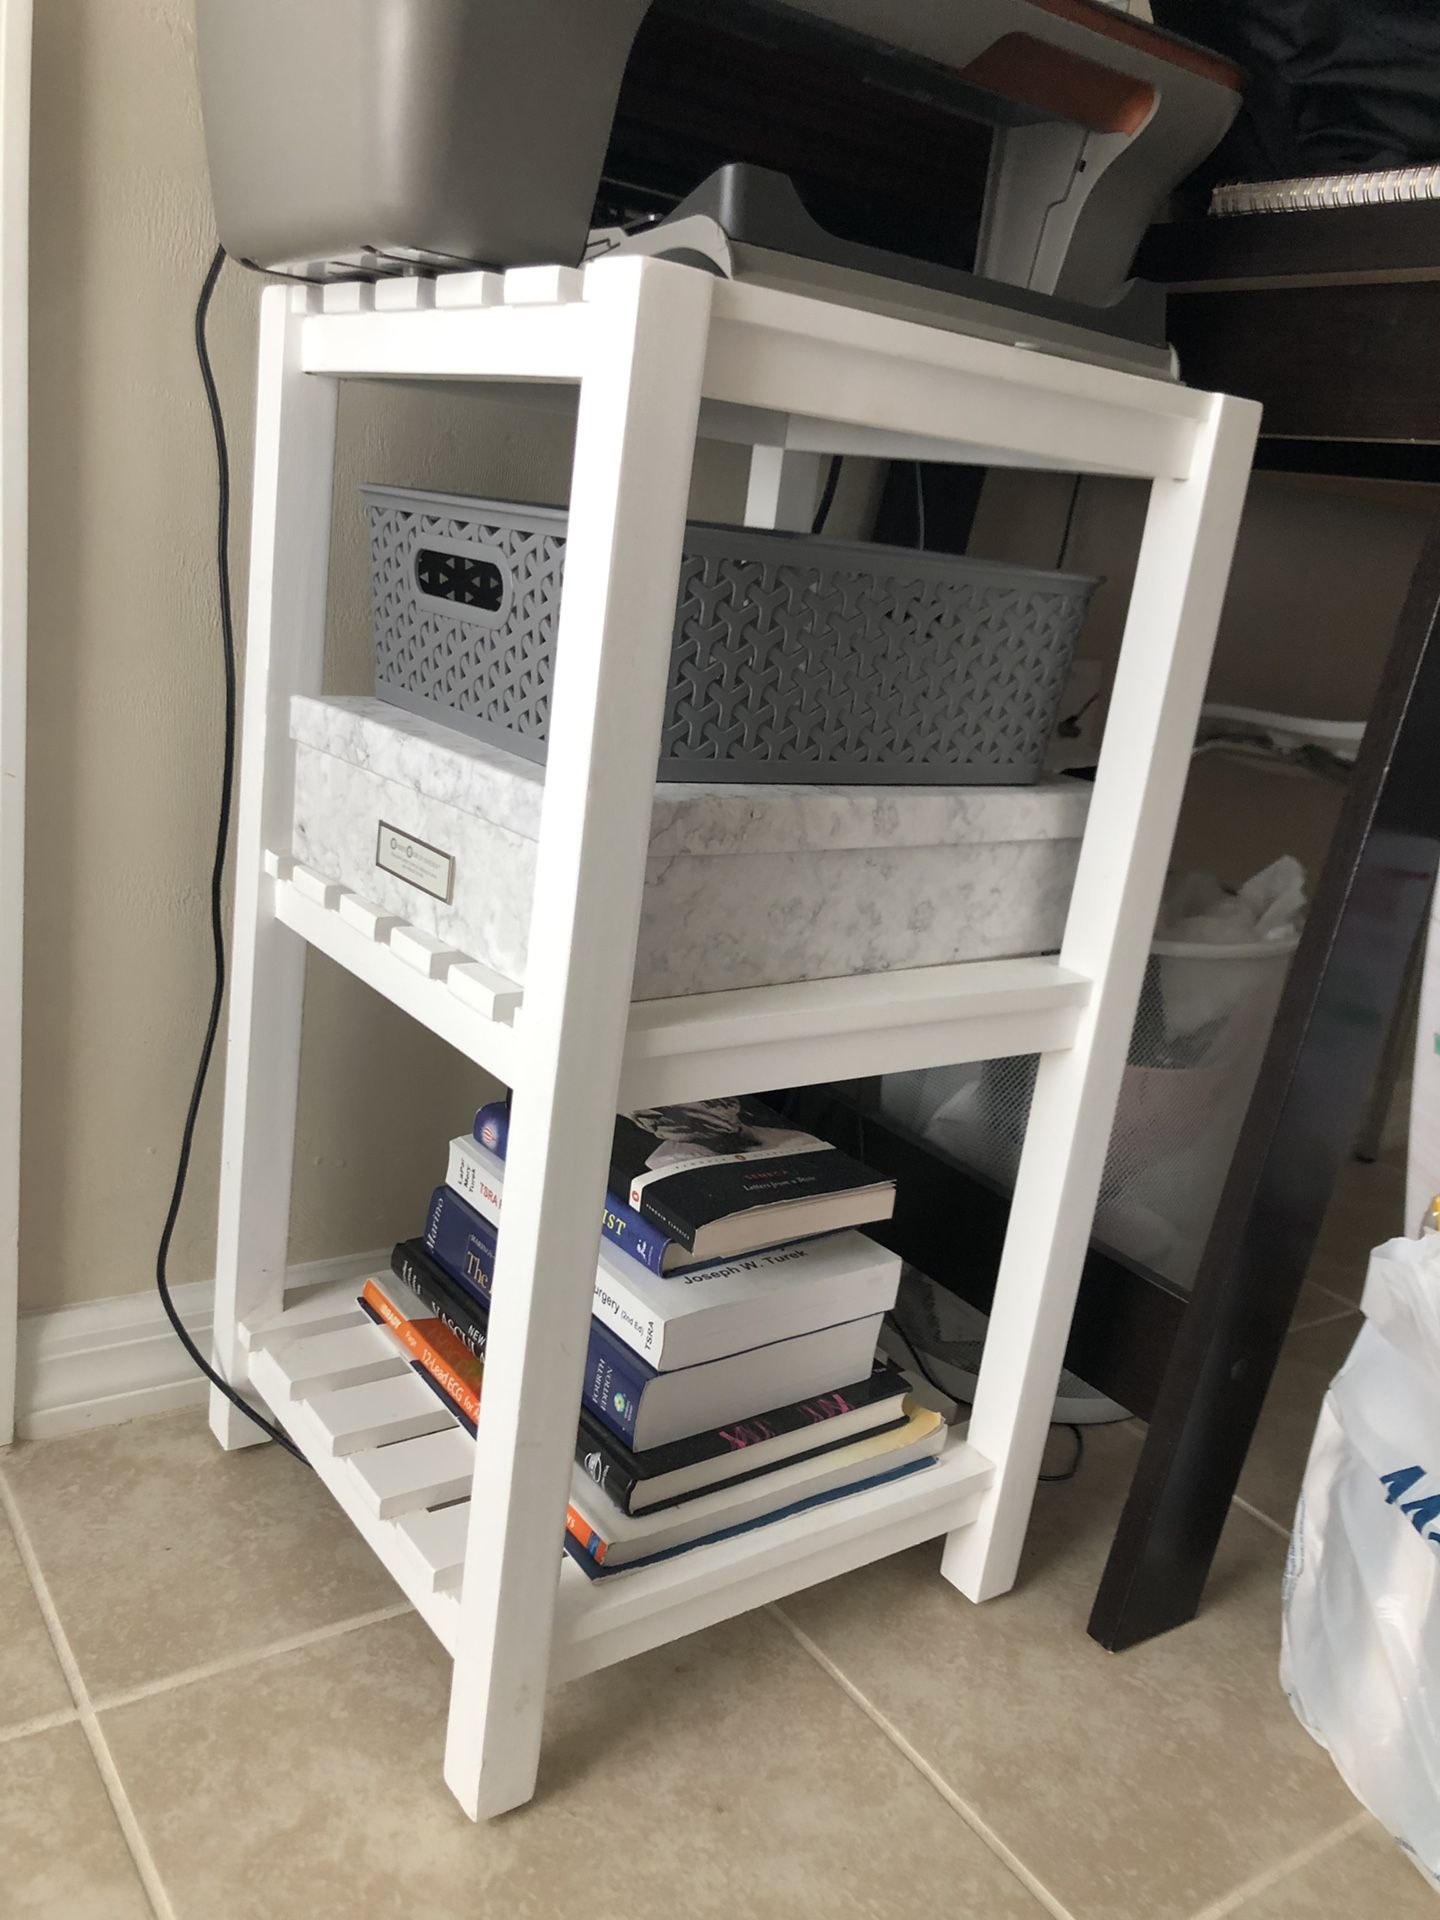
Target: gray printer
381,136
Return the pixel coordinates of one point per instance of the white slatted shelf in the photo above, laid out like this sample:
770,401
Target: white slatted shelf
436,1539
321,1312
321,1360
754,1038
417,1474
785,369
711,1044
305,1421
408,1495
372,1413
546,344
602,1621
490,1043
848,381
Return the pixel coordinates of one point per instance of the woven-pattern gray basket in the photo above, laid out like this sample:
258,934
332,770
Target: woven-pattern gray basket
795,659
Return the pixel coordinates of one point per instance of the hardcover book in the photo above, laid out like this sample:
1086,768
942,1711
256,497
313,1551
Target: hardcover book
644,1406
644,1481
477,1172
584,1558
461,1310
441,1361
667,1476
619,1539
432,1346
712,1310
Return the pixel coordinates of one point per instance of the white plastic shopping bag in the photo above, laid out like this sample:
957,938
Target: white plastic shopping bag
1360,1657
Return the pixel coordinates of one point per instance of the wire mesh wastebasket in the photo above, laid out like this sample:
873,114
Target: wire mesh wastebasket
1200,1033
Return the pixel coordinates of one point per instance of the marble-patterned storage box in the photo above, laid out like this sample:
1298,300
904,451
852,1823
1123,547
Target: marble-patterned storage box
746,886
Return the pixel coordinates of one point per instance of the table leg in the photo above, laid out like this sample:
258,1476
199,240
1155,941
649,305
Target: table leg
1320,1066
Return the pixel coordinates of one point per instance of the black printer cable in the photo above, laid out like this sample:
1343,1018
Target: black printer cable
827,495
217,871
917,1360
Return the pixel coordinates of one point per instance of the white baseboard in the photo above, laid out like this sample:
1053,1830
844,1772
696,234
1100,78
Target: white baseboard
104,1361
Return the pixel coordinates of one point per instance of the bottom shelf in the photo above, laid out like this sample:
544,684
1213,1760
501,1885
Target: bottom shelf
400,1466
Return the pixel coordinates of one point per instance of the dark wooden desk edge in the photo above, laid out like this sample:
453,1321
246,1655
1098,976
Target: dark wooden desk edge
1325,318
1354,246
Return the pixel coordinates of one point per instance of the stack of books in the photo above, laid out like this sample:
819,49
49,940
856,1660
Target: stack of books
732,1376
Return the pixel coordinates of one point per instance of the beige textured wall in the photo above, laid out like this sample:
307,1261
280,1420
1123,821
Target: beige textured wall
125,687
1321,569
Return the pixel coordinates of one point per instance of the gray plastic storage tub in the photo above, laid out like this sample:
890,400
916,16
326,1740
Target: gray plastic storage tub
369,134
795,659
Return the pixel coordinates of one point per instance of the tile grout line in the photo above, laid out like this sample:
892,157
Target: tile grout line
1276,1875
1324,1319
235,1662
1319,1286
42,1723
1007,1858
1265,1520
226,1663
125,1815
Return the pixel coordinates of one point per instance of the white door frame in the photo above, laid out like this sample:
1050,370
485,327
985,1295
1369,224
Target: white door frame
15,37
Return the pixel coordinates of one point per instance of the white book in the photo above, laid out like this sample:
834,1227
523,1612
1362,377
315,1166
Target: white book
728,1307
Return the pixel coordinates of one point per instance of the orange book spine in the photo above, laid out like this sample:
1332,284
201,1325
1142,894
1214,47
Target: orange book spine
427,1347
425,1341
581,1531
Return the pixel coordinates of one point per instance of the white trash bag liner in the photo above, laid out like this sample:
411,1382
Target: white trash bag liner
1360,1658
1212,986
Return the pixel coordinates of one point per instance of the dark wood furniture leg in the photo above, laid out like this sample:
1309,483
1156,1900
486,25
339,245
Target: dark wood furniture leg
1395,1056
1319,1069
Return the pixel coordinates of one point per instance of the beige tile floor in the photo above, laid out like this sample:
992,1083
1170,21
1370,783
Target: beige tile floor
213,1706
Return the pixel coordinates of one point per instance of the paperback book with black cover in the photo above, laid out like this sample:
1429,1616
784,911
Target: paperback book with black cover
724,1177
684,1470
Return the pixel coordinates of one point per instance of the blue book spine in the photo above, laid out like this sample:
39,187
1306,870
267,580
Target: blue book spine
624,1228
464,1244
615,1381
597,1570
461,1240
620,1223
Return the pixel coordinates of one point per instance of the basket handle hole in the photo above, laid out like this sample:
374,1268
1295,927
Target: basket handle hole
460,578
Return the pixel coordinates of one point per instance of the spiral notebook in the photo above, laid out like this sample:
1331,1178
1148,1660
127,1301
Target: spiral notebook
1393,186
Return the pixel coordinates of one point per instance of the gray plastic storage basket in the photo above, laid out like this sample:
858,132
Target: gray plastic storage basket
795,659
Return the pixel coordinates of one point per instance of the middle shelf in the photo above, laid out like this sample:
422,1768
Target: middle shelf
703,1046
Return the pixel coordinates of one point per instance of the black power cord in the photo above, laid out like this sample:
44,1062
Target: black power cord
1069,727
827,495
893,1322
1064,554
1057,1479
217,871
